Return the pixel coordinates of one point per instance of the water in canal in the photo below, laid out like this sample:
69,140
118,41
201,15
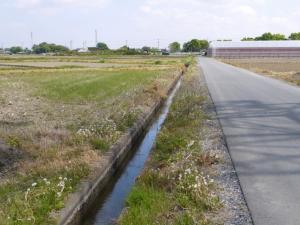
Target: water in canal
112,201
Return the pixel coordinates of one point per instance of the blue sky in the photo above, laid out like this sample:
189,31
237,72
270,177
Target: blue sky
142,22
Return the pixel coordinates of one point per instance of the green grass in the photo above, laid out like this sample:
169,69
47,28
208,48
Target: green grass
76,86
29,199
175,187
146,204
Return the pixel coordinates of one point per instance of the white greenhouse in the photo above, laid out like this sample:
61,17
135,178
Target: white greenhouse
253,49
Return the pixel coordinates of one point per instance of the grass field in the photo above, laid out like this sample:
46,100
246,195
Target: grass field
55,124
87,61
177,186
287,69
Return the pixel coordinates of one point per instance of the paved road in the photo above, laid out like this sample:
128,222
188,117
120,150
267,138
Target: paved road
261,121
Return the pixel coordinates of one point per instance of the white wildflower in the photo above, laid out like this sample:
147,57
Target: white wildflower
26,194
34,184
190,144
188,171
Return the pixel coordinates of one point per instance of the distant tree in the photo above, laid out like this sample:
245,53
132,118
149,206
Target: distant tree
174,47
44,47
102,46
146,49
124,48
270,37
16,49
248,39
295,36
279,37
195,45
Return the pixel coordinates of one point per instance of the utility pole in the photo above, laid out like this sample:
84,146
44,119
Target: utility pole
71,45
96,38
31,38
158,43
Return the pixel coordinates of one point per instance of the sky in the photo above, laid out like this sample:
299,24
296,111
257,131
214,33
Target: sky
142,22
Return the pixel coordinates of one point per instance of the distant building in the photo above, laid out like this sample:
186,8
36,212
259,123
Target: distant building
82,50
254,49
3,51
165,52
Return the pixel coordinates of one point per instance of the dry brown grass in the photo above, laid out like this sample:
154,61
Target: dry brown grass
281,68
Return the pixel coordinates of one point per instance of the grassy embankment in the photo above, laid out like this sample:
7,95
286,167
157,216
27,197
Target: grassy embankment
287,69
61,121
175,187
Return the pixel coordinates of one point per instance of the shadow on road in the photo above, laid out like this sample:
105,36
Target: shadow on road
265,136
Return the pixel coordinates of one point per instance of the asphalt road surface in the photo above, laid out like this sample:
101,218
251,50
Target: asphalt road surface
260,117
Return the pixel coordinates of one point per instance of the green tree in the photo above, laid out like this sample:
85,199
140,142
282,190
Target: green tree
270,37
174,47
44,47
16,49
195,45
295,36
102,46
124,48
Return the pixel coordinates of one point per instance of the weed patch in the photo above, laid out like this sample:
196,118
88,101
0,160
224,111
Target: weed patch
176,187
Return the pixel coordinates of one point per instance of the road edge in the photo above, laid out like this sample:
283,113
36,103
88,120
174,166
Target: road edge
227,150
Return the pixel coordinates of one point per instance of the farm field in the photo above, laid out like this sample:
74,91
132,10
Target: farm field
85,61
57,120
287,69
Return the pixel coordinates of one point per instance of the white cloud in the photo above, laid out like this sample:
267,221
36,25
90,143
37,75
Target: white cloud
245,10
218,18
53,7
81,3
46,4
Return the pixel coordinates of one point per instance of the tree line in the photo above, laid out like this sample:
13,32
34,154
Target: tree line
273,37
194,45
39,49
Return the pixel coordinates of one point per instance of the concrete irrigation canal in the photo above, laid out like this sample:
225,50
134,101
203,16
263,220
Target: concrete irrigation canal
112,201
